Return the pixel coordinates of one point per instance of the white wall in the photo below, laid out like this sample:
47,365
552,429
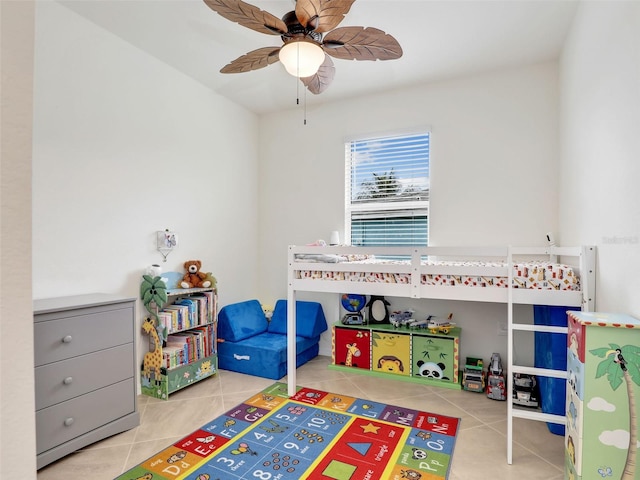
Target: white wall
494,168
17,403
124,146
600,114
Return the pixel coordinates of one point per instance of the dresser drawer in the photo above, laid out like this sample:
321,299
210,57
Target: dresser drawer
81,331
62,422
59,381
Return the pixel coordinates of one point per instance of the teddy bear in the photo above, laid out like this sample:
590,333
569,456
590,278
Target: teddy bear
194,278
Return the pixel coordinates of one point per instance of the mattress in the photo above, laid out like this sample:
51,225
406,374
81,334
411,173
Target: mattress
539,275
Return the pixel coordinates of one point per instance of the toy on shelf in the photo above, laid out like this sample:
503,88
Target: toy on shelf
434,324
473,375
437,324
194,278
525,390
353,304
399,318
495,379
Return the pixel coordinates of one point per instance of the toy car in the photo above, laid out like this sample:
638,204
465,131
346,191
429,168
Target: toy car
353,319
473,375
525,390
400,318
495,379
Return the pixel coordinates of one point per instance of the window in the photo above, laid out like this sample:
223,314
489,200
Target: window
387,190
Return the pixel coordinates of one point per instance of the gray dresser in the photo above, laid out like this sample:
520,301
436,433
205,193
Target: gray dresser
85,371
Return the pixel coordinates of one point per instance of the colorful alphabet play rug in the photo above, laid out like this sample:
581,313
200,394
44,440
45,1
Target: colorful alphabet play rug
312,435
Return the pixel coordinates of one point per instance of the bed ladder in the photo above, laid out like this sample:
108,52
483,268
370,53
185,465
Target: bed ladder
587,278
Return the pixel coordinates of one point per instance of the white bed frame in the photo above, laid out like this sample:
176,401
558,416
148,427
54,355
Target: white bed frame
582,259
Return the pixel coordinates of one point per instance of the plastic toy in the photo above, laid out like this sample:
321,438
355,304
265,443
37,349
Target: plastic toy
400,318
473,375
525,390
437,324
434,324
495,379
353,304
353,319
422,323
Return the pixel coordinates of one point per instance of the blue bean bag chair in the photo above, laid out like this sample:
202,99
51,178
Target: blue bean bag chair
251,344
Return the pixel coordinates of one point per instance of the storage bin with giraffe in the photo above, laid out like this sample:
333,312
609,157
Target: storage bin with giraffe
352,348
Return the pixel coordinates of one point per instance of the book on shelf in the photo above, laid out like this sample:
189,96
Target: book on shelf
173,356
208,305
192,310
194,342
208,336
166,320
180,316
185,313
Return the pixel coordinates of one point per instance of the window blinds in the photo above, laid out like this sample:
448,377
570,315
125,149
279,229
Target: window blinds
387,190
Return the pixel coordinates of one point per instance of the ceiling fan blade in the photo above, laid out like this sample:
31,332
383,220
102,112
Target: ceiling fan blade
253,60
322,15
319,82
361,43
248,16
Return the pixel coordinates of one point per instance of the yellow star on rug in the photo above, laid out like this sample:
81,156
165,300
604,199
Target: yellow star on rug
371,428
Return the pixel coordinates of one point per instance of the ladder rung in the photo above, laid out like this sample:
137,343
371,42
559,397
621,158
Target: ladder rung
538,328
539,416
541,372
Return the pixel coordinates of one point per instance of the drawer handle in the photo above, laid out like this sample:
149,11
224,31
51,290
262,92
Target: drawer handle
67,339
68,380
68,421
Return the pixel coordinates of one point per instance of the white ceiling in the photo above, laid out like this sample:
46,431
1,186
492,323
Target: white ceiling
441,39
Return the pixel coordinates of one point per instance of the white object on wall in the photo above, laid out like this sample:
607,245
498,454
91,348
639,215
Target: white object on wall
166,242
334,239
551,240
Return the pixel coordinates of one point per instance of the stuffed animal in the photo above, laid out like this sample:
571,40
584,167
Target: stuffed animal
268,310
212,279
194,278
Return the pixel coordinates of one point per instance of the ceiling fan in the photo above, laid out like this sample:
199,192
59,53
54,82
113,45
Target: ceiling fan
310,38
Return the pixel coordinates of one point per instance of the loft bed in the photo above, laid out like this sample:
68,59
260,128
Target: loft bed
560,276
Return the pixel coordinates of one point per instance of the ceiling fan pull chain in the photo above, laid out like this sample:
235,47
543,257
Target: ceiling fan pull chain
305,107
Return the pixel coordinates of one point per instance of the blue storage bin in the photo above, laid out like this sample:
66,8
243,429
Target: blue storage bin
551,352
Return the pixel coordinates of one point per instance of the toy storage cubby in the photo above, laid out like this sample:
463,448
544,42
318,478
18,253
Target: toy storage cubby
409,354
182,333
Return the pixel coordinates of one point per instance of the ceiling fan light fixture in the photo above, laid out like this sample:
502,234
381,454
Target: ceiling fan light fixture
301,58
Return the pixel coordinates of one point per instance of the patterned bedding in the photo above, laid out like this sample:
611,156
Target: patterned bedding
531,275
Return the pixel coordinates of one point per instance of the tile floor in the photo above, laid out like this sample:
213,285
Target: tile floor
480,450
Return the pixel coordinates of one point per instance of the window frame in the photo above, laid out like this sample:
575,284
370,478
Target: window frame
419,208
